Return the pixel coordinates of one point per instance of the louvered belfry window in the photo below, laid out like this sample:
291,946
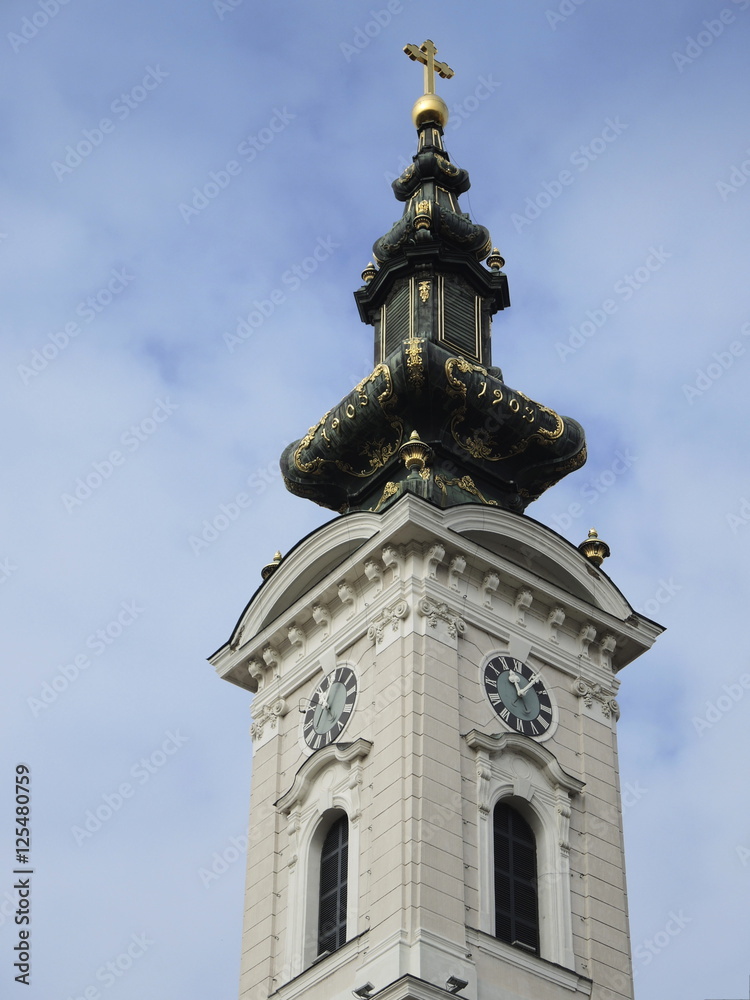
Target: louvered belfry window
396,319
516,909
333,878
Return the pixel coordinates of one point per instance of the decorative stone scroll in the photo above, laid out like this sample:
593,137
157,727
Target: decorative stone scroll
435,556
455,569
257,672
589,693
348,597
490,583
296,638
523,601
268,716
270,656
392,560
554,620
374,572
585,637
607,648
322,616
435,613
388,616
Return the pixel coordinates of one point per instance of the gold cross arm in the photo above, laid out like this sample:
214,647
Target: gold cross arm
426,53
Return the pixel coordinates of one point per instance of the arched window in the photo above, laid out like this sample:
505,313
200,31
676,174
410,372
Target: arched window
334,858
516,907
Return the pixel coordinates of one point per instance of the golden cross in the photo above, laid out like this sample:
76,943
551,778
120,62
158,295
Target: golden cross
426,54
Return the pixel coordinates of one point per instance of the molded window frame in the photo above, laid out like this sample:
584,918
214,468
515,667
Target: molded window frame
527,776
325,787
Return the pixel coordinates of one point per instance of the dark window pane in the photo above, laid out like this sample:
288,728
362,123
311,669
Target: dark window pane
333,887
516,905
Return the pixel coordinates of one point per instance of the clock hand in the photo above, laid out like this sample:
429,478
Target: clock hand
513,678
532,682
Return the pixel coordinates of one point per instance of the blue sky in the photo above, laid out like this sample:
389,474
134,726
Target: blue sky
609,152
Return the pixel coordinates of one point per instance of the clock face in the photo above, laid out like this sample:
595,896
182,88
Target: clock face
330,707
518,695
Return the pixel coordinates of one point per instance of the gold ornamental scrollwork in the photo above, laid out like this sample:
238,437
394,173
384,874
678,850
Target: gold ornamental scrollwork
480,444
448,168
325,435
415,362
424,290
467,484
391,489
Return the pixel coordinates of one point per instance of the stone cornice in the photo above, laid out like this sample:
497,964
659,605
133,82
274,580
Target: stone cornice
417,542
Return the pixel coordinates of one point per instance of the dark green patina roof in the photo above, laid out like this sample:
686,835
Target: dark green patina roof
431,302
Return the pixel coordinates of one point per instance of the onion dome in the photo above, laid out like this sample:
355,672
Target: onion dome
434,417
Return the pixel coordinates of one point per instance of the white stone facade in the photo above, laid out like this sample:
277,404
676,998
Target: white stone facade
415,601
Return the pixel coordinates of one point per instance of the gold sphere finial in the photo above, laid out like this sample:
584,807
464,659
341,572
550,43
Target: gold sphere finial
414,453
430,108
369,273
593,548
270,568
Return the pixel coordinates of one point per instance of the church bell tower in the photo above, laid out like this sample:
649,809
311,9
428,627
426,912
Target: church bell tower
435,797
